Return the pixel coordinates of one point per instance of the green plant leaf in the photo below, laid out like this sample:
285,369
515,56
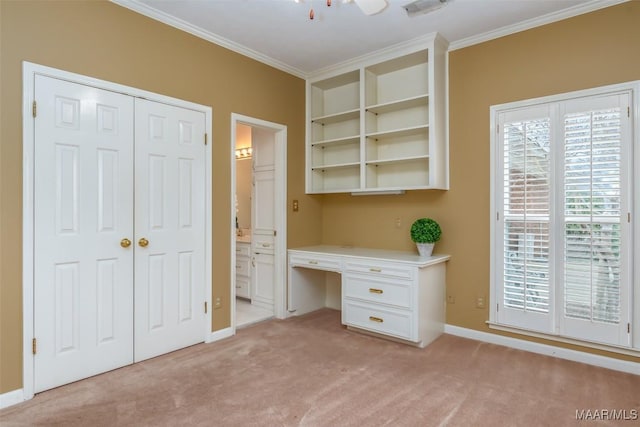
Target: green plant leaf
425,230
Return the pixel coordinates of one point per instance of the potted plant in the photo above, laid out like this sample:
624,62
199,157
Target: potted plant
425,232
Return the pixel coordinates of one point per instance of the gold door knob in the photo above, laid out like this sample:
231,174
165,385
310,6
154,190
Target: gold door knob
143,242
125,243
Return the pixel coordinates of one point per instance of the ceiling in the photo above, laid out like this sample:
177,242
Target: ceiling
280,33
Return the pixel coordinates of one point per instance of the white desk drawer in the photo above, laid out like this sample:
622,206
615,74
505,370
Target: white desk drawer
242,266
320,262
243,249
374,318
242,287
380,269
263,244
389,291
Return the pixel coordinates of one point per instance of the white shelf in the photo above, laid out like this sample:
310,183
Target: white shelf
336,178
341,152
395,160
337,141
337,117
397,173
336,166
402,104
381,126
338,126
335,95
398,133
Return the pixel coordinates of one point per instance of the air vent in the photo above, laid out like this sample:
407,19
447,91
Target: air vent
420,7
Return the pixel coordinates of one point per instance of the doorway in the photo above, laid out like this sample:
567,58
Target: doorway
258,220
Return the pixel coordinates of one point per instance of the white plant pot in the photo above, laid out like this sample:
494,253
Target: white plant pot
425,249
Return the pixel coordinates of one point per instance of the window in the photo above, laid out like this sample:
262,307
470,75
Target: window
562,261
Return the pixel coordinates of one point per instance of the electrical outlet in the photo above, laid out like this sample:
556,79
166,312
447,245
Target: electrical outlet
217,303
451,299
480,302
296,206
398,223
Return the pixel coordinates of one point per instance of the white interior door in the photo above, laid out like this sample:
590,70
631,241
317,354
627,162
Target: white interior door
263,218
83,203
170,227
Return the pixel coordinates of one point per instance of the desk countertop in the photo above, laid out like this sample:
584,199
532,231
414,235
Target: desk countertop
379,254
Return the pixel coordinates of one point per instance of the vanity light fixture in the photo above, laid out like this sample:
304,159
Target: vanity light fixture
244,153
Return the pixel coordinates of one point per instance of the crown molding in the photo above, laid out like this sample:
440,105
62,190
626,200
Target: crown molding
393,50
549,18
398,49
165,18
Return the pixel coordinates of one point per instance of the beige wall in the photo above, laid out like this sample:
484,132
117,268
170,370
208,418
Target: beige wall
106,41
591,50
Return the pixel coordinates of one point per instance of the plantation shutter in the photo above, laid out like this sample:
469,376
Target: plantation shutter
525,298
562,261
593,217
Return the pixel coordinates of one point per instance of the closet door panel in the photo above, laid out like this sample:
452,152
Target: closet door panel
83,208
170,221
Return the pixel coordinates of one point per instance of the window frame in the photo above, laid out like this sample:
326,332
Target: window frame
497,207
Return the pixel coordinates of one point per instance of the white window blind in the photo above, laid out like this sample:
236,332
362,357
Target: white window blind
562,251
592,215
526,214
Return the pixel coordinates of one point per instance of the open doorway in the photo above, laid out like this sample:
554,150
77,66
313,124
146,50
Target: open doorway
258,225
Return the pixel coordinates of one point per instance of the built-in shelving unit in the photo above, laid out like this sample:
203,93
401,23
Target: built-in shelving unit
333,153
380,126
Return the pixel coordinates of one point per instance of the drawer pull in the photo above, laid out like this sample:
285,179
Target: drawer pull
313,262
375,291
375,270
266,245
238,266
376,319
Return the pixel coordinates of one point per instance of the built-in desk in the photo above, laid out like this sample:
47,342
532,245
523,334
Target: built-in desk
394,294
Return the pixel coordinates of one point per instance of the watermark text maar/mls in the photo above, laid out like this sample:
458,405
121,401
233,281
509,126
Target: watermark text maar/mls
606,414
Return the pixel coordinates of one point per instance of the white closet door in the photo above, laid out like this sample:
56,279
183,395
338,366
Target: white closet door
83,198
170,216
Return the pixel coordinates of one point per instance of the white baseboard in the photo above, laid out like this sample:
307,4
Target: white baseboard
11,398
545,349
219,335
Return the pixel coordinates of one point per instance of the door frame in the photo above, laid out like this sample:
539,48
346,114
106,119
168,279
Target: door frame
29,71
280,203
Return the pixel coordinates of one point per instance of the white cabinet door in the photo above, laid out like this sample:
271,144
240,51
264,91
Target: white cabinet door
263,212
263,191
170,215
263,218
263,143
83,202
262,278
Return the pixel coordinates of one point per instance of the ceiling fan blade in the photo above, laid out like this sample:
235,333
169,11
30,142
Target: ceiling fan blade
371,7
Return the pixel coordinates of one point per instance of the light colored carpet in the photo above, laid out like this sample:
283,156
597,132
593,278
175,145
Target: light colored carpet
310,371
